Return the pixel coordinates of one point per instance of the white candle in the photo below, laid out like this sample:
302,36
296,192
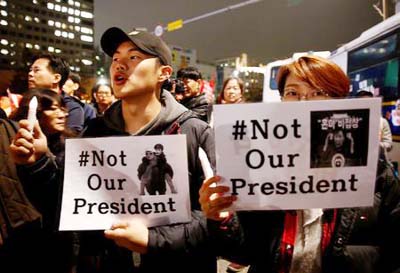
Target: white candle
33,104
205,164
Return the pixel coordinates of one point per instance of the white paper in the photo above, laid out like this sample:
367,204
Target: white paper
277,160
103,187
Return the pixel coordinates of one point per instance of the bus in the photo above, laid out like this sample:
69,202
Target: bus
372,63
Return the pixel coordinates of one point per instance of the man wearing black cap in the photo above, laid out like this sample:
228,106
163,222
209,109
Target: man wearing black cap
140,65
141,62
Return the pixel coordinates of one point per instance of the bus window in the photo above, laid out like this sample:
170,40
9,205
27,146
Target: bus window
374,53
376,67
382,79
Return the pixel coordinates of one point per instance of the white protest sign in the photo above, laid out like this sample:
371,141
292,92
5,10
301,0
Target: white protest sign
298,155
117,178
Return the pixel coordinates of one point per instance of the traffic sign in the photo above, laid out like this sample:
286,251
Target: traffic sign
175,25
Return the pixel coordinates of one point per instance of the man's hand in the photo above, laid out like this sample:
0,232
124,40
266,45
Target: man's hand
133,235
26,147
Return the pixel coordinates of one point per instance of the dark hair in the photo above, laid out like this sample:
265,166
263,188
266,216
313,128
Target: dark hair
189,73
364,93
226,81
159,146
320,73
97,87
46,98
74,77
56,65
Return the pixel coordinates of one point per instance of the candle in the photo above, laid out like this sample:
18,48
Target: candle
33,104
205,164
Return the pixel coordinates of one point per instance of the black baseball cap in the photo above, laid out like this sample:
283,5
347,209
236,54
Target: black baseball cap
145,41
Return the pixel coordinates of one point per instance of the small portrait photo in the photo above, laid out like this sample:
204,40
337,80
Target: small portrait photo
155,173
339,138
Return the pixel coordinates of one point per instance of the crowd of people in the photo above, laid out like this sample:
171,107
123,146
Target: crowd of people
143,100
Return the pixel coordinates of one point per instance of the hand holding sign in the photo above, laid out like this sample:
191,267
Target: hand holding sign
132,235
211,199
213,208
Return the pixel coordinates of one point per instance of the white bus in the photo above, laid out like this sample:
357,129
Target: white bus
372,62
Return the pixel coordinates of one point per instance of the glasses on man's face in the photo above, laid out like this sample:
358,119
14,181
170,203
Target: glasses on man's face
293,95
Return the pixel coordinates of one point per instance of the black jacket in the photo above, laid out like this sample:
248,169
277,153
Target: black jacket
16,210
199,105
179,247
76,115
364,240
33,245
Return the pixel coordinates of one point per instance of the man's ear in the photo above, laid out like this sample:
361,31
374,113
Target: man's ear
76,86
166,72
57,78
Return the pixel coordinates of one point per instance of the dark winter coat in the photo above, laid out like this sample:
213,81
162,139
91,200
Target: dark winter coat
178,247
199,105
364,239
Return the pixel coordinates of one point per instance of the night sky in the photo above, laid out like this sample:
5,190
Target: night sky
266,30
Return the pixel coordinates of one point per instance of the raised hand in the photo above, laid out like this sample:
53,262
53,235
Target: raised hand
27,147
212,199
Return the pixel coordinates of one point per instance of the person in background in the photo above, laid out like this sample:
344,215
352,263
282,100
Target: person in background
176,87
103,97
385,134
72,84
51,72
9,101
193,99
56,251
232,91
343,240
71,88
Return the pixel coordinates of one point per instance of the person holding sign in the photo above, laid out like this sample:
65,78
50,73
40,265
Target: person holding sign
141,63
311,240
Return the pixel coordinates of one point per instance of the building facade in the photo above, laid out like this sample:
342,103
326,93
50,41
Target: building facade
60,27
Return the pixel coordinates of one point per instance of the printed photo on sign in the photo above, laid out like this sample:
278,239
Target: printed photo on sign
339,138
155,173
118,178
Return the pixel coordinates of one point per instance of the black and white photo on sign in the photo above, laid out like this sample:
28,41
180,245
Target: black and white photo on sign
339,138
155,172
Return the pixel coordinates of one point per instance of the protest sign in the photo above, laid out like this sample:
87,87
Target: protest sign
298,155
117,178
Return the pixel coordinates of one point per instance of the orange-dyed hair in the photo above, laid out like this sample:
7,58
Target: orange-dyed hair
320,73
